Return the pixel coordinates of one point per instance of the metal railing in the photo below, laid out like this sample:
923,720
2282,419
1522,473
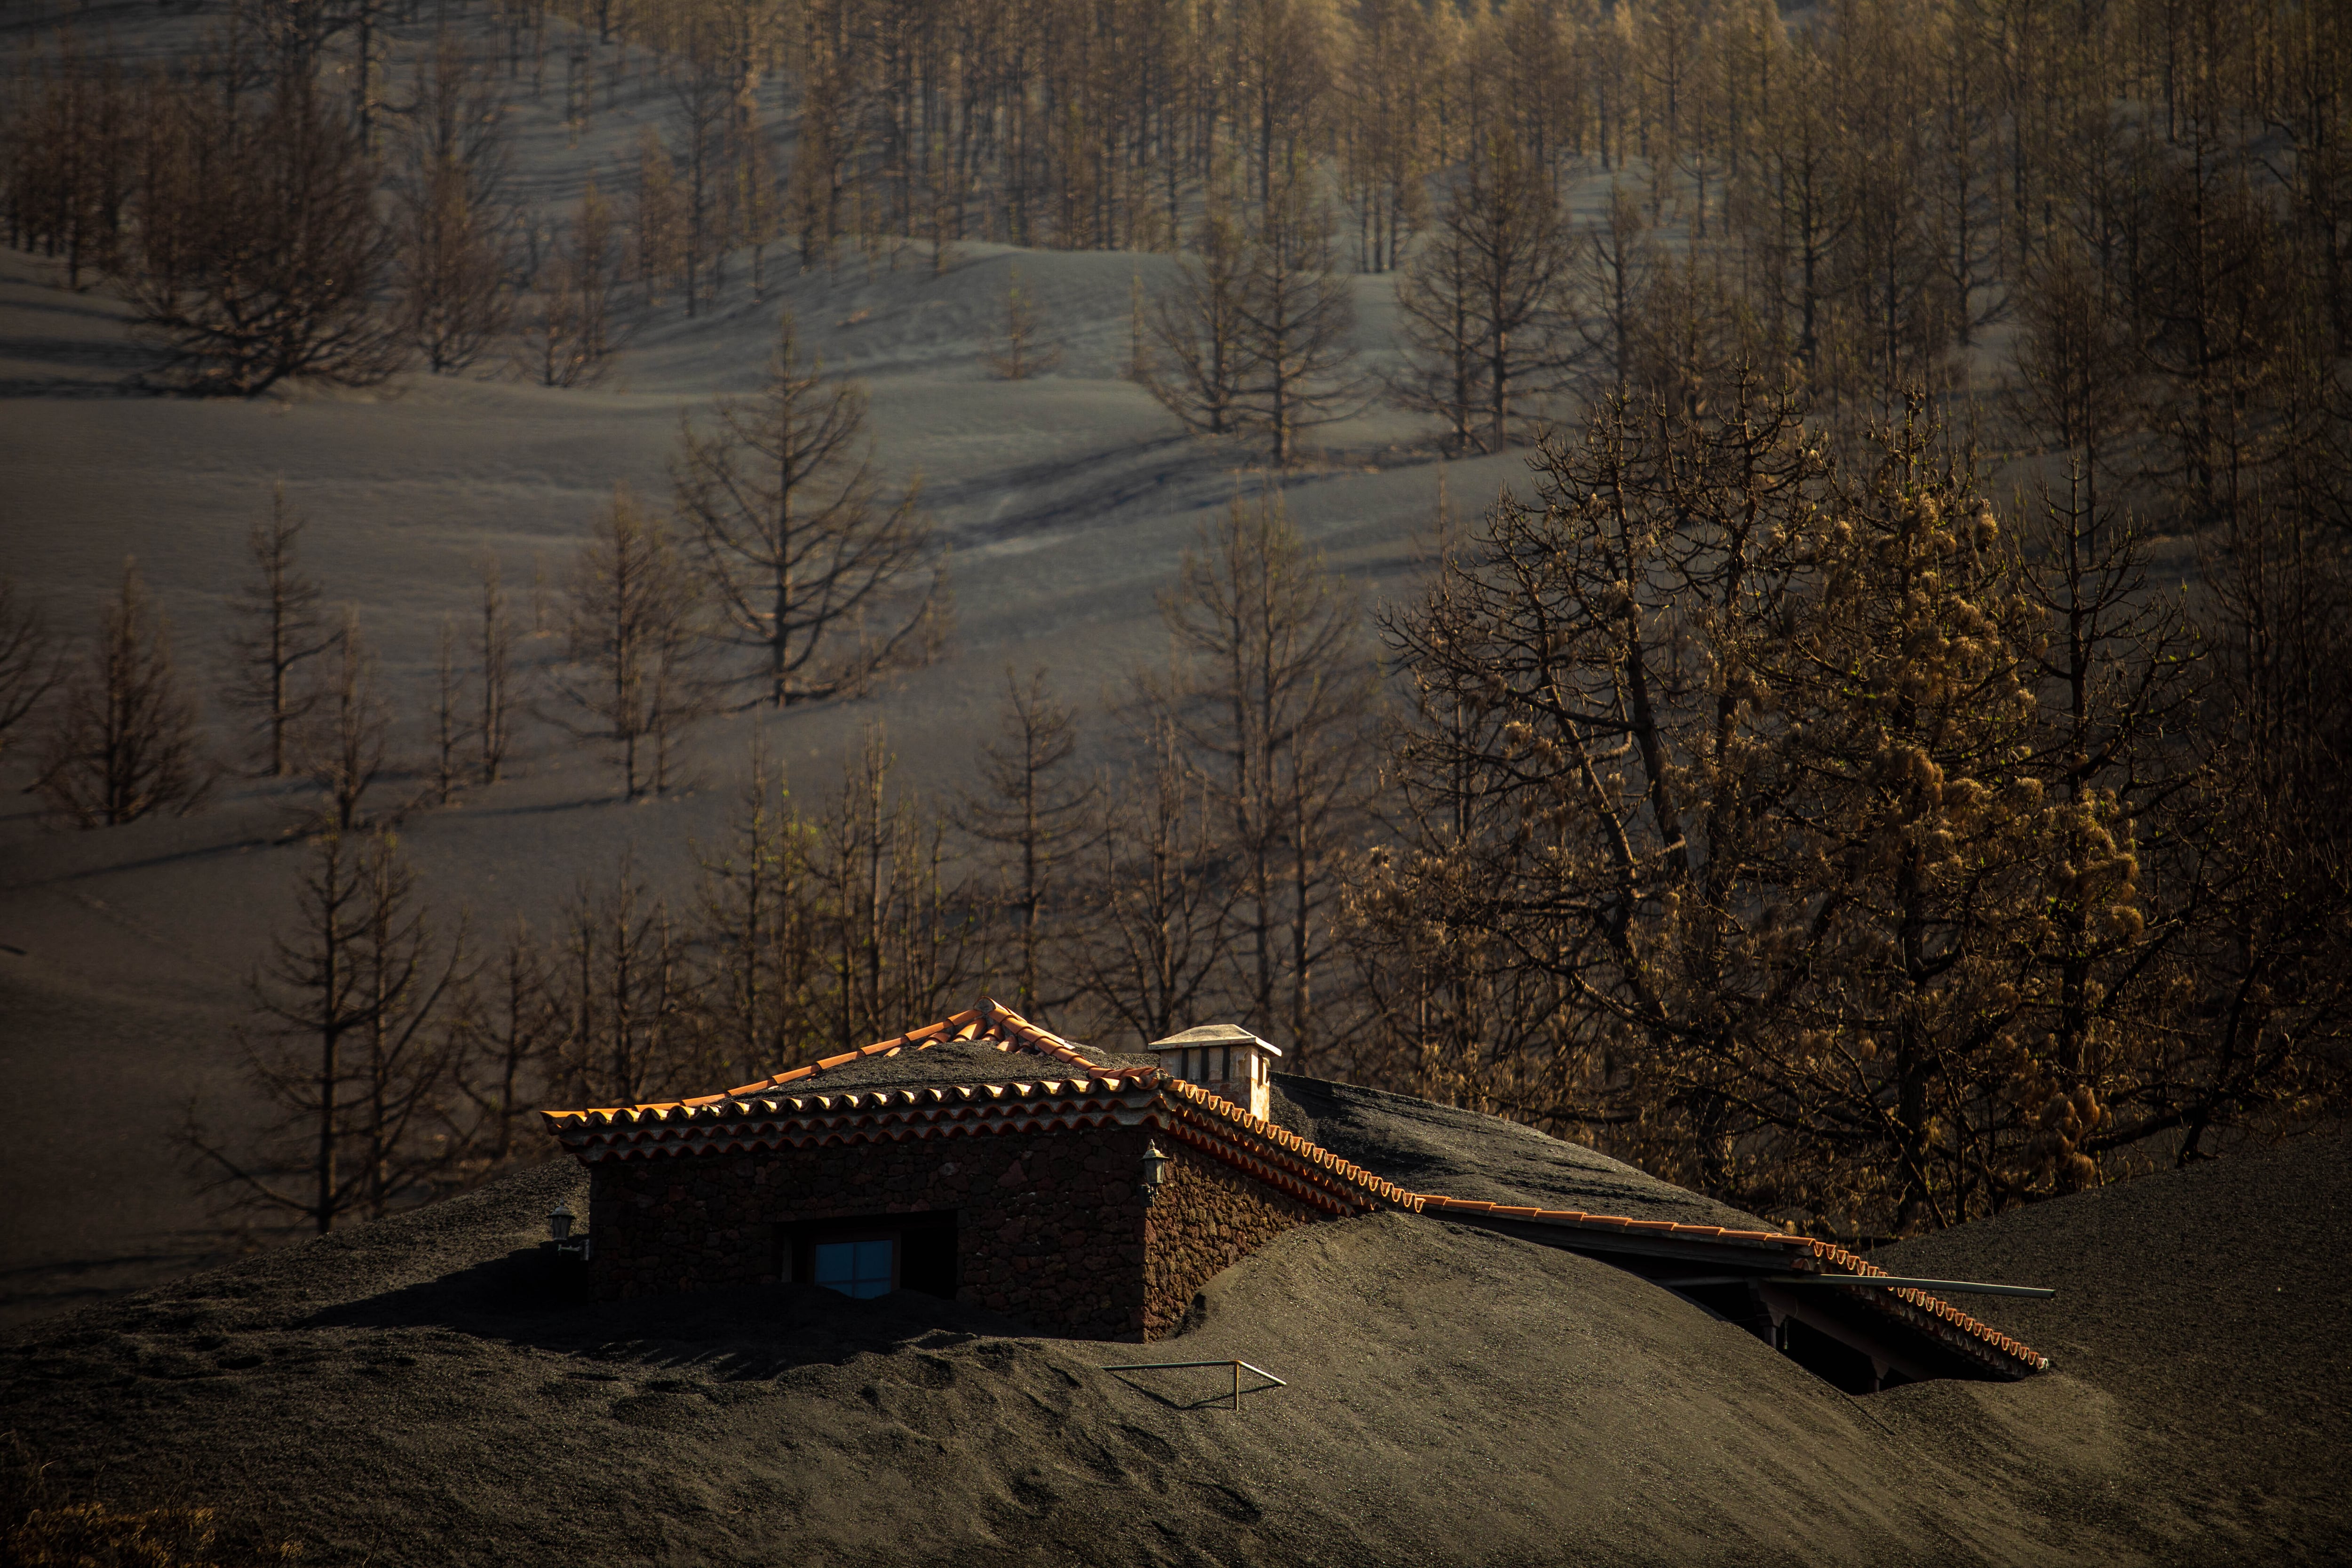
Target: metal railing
1868,1282
1239,1367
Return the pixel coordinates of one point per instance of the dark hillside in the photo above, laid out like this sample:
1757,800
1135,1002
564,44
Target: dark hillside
427,1391
103,1206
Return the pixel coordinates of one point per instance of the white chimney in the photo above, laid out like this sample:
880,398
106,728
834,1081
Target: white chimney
1224,1059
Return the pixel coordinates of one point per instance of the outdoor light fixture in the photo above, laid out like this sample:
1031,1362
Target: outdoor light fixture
567,1242
1155,1172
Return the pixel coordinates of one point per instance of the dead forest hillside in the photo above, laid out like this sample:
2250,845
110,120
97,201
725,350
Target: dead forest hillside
1883,765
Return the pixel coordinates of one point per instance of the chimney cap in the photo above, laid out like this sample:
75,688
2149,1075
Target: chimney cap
1215,1035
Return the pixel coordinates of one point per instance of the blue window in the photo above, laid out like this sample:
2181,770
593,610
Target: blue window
859,1269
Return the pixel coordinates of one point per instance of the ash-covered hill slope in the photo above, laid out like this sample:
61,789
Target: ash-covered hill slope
1431,1148
2212,1310
431,1390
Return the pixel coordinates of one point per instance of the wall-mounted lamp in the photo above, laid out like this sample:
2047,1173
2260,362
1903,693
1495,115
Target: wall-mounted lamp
1155,1172
560,1221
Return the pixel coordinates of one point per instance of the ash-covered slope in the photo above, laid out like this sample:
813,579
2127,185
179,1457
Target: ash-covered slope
1430,1148
431,1390
2212,1310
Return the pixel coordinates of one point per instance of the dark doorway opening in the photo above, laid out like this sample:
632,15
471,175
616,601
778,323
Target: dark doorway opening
1839,1365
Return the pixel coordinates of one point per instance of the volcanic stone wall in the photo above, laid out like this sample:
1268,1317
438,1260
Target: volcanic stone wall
1050,1227
1209,1217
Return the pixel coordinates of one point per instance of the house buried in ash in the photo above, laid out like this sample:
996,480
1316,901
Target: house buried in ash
1089,1194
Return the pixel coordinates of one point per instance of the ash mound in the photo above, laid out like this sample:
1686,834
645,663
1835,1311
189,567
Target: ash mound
431,1389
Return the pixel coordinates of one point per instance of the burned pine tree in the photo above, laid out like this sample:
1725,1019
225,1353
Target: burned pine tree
830,584
637,624
355,1051
569,332
277,633
1483,299
506,1030
1018,356
895,937
1296,316
341,745
1271,694
450,212
1153,897
32,664
494,648
1194,356
622,983
263,257
123,741
448,719
759,935
1031,819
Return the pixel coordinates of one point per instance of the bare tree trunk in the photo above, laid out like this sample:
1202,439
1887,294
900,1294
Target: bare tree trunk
279,632
343,747
31,660
496,648
1030,821
450,728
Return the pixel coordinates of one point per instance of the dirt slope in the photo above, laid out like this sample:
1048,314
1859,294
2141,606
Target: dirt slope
2211,1308
430,1391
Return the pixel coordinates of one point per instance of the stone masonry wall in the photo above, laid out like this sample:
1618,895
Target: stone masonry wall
1051,1228
1209,1217
1049,1225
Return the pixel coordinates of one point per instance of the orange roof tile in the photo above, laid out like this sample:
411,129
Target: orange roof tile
990,1021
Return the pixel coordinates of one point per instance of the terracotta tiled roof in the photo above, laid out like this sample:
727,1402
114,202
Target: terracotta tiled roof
1931,1315
988,1023
1200,1109
755,1123
1579,1219
797,1109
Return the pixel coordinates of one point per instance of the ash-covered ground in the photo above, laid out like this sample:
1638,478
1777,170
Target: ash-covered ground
433,1389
